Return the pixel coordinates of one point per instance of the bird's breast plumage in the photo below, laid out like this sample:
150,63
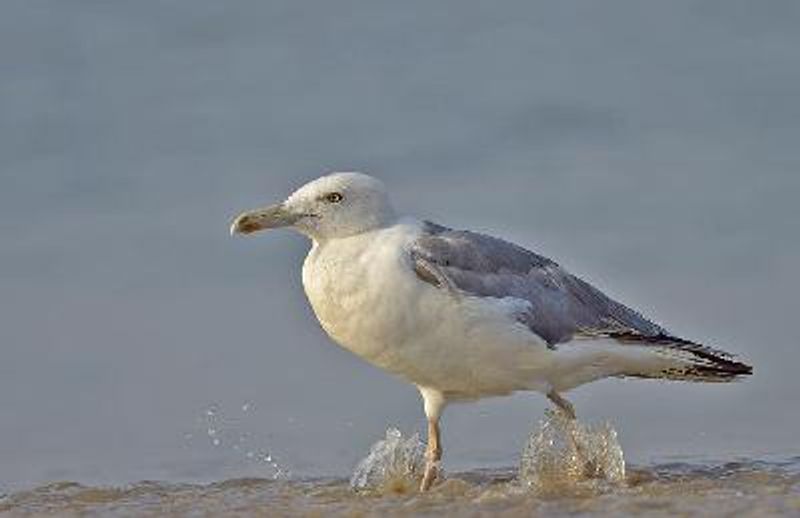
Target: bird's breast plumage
354,286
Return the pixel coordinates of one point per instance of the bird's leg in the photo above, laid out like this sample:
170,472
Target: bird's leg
563,405
569,410
433,454
434,402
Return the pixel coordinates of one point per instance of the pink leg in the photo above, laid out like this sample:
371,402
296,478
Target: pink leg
433,454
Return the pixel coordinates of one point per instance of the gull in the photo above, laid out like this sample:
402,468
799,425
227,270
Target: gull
464,315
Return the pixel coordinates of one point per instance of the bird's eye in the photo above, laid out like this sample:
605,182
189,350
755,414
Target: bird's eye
334,197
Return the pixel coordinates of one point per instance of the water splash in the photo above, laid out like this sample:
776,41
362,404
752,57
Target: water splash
230,432
564,452
393,463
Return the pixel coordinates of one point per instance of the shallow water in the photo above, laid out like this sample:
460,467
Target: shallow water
741,488
566,468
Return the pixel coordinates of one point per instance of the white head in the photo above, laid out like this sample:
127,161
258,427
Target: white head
336,205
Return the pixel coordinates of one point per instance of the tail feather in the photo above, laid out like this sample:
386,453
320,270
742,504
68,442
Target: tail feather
690,361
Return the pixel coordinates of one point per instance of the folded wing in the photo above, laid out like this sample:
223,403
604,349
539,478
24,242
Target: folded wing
561,307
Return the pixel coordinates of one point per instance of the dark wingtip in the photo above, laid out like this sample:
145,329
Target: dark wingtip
714,365
723,370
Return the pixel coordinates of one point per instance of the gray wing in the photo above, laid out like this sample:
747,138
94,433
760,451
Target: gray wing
561,305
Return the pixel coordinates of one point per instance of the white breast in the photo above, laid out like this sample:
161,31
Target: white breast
355,286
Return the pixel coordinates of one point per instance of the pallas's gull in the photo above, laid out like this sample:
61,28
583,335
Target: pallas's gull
463,315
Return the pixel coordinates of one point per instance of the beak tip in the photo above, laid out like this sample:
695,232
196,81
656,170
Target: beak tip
235,227
244,224
274,216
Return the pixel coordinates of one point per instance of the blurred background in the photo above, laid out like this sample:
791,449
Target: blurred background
650,147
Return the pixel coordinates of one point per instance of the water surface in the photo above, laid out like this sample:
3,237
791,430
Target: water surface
566,467
740,488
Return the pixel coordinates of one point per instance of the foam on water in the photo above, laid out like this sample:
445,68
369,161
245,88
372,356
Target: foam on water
394,463
564,452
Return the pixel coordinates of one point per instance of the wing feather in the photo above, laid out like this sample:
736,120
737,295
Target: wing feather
562,306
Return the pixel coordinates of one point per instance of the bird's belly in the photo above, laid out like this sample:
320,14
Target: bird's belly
464,347
470,348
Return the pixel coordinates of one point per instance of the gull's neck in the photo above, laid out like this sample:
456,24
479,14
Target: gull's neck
374,223
318,241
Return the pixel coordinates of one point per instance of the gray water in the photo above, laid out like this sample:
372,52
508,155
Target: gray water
650,147
567,468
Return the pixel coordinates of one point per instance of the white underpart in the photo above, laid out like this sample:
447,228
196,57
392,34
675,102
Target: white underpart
369,300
